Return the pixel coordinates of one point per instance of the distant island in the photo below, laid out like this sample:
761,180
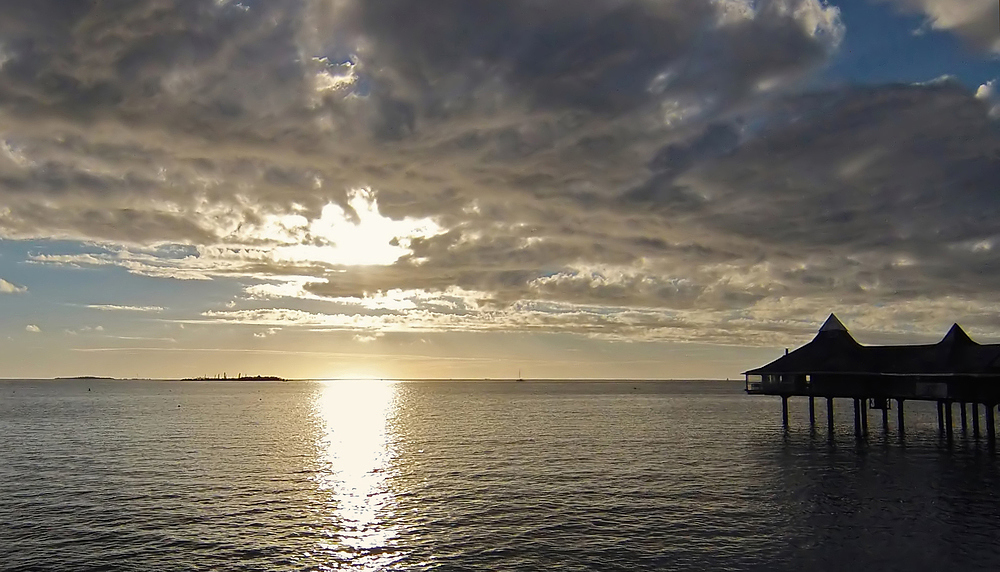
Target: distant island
239,377
82,377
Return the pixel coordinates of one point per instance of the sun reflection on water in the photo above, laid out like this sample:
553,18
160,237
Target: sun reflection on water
356,455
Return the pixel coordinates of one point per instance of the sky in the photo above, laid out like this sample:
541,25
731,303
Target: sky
449,188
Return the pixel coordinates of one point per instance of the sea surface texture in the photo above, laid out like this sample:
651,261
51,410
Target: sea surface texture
370,475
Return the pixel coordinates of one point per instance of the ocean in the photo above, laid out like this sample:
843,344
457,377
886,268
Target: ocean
560,476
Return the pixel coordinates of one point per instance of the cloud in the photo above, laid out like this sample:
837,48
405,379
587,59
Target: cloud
368,338
974,20
770,322
897,206
127,126
86,329
987,93
8,288
117,308
629,169
563,55
842,198
878,187
33,329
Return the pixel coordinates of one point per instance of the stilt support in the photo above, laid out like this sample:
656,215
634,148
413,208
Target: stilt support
784,411
975,420
965,426
864,417
990,429
899,418
885,419
812,412
857,418
940,410
947,420
829,415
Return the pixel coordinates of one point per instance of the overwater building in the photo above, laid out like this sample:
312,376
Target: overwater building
834,365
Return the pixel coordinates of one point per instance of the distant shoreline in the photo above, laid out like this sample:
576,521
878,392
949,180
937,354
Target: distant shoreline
240,378
404,380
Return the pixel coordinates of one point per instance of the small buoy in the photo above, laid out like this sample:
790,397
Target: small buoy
178,405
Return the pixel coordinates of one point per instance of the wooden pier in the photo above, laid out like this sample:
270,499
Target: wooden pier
956,370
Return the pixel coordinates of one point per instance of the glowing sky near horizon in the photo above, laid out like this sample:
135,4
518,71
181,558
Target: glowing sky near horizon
448,188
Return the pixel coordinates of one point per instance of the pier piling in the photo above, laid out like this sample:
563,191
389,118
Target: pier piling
784,411
885,420
899,418
990,433
965,427
812,413
857,419
975,420
829,415
940,412
864,417
947,420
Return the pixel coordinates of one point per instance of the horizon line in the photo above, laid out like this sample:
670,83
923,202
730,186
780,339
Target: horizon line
401,379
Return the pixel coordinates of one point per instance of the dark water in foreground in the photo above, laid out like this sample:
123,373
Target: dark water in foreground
475,476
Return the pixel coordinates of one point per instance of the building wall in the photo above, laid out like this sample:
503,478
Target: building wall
923,387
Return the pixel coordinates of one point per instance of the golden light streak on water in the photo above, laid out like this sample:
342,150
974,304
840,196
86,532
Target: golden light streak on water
355,462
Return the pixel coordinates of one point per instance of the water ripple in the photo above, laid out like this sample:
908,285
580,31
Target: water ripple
138,476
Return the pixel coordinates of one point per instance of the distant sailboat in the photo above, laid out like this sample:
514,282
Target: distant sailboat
519,378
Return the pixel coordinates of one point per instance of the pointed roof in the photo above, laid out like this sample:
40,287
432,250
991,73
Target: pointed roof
957,336
833,324
833,331
834,350
959,352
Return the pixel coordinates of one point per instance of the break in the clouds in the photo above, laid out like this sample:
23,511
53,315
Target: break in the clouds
636,169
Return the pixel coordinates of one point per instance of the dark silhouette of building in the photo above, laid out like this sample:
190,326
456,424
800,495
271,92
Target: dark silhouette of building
835,365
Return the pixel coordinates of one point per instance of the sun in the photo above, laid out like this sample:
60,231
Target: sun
356,236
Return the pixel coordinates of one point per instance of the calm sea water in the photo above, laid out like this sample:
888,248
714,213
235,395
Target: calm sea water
116,475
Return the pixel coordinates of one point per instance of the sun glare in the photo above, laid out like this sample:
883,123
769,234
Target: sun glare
370,239
358,376
356,456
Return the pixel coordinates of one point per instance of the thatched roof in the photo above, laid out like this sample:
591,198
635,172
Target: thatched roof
834,350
